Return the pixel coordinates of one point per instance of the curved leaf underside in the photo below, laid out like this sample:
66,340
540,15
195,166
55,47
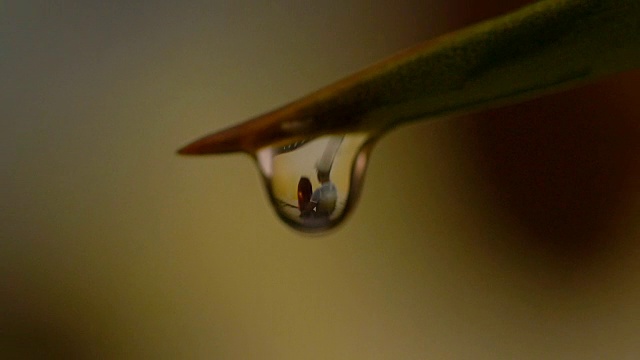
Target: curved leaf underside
547,46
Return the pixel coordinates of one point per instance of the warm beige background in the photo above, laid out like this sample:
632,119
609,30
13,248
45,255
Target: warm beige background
513,234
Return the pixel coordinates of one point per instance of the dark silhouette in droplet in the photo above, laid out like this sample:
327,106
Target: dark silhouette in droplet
304,193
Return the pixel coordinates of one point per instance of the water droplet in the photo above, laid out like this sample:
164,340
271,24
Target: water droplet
314,183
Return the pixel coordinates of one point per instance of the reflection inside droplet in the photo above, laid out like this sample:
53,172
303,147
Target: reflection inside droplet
314,183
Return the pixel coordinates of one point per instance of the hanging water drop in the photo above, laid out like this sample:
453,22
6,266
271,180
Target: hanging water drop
314,183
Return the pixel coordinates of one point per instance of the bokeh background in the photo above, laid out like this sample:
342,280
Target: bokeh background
507,234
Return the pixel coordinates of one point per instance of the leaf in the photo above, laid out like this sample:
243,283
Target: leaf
544,47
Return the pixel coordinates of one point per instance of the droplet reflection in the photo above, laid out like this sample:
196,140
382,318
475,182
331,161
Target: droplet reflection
314,183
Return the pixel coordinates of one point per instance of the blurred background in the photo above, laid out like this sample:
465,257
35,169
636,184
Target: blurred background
507,234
